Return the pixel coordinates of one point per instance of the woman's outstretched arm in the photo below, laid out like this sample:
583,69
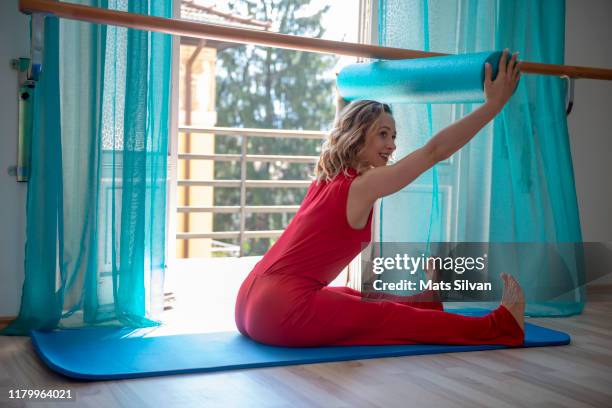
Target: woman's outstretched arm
382,181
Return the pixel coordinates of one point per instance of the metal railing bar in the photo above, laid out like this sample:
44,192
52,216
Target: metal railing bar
249,157
229,234
228,131
248,183
236,209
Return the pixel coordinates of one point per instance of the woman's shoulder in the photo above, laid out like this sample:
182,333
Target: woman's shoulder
342,179
346,174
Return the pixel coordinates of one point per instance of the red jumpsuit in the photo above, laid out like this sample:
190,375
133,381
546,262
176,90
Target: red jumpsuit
285,300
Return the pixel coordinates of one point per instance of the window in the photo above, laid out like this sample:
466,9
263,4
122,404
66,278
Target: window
237,190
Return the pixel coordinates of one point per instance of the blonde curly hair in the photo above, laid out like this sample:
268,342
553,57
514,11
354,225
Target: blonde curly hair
347,138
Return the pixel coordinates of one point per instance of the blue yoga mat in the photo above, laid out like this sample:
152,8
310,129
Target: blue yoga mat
109,354
444,79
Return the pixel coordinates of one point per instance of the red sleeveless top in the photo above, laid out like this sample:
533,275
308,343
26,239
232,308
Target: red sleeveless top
318,242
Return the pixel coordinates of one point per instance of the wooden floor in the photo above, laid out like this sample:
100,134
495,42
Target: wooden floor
578,375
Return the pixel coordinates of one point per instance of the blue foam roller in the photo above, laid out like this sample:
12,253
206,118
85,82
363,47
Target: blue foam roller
114,353
444,79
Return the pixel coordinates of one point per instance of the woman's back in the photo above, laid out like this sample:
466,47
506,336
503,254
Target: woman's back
318,242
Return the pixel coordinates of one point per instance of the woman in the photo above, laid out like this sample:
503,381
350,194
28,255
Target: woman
285,300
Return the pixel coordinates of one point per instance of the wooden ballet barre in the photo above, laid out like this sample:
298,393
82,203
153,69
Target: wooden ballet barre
264,38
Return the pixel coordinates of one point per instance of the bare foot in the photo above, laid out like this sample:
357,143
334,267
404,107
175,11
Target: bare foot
513,299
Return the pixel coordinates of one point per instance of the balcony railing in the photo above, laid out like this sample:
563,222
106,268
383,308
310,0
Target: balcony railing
243,183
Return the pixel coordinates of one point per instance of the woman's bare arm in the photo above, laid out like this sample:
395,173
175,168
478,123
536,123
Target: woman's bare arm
382,181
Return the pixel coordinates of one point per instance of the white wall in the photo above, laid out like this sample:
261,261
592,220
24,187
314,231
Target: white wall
587,42
14,43
590,124
588,35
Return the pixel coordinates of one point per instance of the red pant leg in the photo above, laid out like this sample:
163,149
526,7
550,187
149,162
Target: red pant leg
285,311
354,322
424,300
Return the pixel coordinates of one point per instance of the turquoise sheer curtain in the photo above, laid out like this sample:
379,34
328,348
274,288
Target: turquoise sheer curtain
96,202
512,183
